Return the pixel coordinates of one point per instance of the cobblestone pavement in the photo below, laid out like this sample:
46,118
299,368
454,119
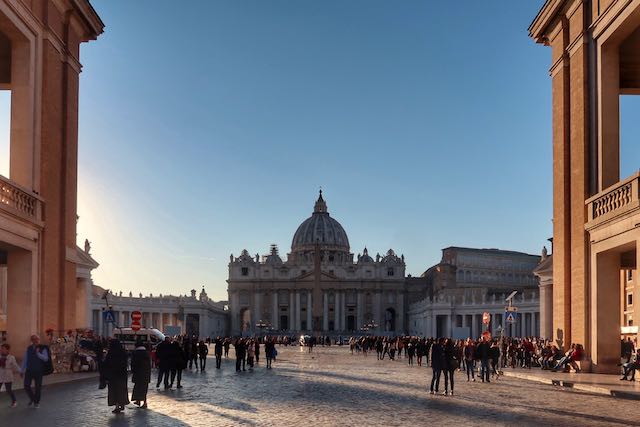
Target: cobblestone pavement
328,387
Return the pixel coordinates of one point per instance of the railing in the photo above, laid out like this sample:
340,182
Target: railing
615,200
19,201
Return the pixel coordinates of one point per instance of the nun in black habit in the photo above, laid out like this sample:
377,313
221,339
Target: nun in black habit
140,374
115,370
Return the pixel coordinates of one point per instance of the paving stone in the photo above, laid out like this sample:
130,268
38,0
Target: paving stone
328,387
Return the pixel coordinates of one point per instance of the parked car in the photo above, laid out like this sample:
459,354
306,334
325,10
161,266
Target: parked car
128,337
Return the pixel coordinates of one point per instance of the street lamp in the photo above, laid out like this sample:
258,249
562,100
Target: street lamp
261,325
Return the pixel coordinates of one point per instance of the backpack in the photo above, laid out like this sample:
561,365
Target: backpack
48,365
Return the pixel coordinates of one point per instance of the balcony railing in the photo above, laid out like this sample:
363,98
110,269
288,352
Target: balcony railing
614,201
19,201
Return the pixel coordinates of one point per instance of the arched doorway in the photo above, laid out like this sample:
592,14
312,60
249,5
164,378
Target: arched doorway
389,320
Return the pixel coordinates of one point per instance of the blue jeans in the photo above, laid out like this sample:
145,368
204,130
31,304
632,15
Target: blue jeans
484,369
471,365
30,377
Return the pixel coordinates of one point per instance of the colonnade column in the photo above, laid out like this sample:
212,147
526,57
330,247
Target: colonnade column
292,310
359,311
343,311
447,332
341,323
400,321
336,311
297,310
325,311
275,314
378,308
257,308
309,310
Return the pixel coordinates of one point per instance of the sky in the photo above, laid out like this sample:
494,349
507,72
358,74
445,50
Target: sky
207,127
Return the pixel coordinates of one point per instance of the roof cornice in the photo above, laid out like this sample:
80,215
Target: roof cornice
544,18
90,17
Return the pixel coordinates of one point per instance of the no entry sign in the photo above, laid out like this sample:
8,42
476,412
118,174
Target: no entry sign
136,316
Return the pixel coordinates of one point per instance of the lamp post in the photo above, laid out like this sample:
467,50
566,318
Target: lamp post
261,325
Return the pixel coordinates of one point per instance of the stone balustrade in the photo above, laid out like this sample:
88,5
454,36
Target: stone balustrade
615,200
19,201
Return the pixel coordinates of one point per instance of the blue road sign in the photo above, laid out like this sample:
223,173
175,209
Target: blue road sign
109,316
510,317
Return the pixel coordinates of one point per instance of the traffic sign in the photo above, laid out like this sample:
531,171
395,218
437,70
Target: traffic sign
510,317
109,316
485,318
135,325
136,316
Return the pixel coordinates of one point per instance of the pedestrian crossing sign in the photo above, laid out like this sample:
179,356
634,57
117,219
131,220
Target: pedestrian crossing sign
510,317
108,316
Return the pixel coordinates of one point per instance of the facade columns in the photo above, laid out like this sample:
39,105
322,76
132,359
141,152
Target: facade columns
359,310
336,311
400,326
257,312
298,311
325,311
343,311
292,310
447,332
378,308
275,314
309,310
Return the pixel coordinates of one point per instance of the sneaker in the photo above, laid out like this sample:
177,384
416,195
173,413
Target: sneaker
13,404
451,393
444,393
36,405
30,403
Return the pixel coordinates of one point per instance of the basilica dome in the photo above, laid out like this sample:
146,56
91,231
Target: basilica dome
320,228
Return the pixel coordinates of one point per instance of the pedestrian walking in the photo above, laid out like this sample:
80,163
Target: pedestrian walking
217,350
203,351
437,363
115,369
8,366
241,351
469,359
451,365
270,351
35,364
178,363
140,374
226,345
163,353
251,352
257,350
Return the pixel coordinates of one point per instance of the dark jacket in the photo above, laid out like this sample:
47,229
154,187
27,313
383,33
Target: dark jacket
115,371
437,356
140,366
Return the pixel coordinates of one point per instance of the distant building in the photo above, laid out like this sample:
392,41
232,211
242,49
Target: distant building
194,316
469,282
321,287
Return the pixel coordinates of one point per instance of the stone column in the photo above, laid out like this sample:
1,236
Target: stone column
400,326
343,311
309,310
298,310
336,311
325,311
257,298
447,332
275,314
234,313
377,305
359,310
292,316
546,310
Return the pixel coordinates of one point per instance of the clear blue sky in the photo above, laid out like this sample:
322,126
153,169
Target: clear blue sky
207,127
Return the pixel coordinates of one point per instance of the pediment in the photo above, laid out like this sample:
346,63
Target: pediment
311,276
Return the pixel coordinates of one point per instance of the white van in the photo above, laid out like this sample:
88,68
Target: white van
128,337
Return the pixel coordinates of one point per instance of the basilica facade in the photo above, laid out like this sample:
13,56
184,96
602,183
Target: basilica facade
321,287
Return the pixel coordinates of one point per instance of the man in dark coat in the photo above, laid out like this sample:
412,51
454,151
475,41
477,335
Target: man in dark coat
115,369
203,350
484,353
217,349
178,362
241,351
194,352
437,364
140,374
163,353
34,367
